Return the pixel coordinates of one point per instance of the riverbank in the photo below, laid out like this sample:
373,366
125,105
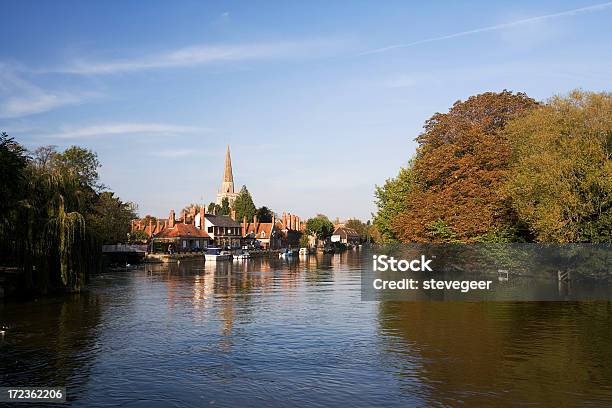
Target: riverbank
164,258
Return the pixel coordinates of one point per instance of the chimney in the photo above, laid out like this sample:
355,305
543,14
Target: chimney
150,227
192,213
255,223
233,214
171,219
202,218
290,219
244,225
284,219
297,223
157,228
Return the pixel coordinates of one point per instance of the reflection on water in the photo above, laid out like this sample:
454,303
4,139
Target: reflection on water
286,333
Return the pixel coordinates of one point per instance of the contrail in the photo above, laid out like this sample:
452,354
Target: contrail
573,12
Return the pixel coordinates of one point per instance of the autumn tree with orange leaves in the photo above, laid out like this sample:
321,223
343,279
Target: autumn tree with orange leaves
462,162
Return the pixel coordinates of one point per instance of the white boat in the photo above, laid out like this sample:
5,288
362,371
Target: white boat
215,254
244,255
288,253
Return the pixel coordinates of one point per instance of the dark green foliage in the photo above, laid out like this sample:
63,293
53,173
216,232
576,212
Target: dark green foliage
54,217
244,205
264,214
225,207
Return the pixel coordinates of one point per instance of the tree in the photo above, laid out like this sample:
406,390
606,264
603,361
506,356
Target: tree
83,163
13,162
187,209
147,219
391,200
360,227
138,237
304,241
243,205
56,219
111,218
320,227
213,208
44,156
462,163
561,182
264,214
224,209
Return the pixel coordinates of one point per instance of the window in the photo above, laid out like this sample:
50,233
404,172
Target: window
210,229
263,234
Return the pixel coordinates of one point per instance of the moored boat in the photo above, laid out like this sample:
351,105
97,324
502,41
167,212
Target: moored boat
215,254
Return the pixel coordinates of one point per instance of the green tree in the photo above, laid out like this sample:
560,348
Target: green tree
224,209
304,242
13,163
561,181
243,205
188,207
391,200
138,237
83,163
264,214
319,226
213,208
56,220
111,218
360,227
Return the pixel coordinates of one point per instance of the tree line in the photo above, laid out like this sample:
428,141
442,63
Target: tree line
502,167
55,215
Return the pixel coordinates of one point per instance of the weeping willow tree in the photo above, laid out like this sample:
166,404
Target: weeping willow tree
47,228
55,246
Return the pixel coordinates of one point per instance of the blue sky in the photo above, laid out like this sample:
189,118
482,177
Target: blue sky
319,101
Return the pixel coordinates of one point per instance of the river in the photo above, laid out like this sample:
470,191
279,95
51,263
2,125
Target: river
281,333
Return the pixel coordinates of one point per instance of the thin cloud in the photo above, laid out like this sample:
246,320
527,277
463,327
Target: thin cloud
23,98
176,153
38,103
125,129
202,55
568,13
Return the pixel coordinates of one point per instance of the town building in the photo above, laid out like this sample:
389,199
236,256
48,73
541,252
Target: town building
345,235
223,230
227,184
291,229
262,234
280,233
179,236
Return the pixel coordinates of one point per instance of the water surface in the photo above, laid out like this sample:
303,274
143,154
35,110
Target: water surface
296,333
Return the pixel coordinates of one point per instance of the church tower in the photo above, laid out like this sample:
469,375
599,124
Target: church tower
227,184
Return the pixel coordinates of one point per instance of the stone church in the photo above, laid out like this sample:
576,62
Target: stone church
227,185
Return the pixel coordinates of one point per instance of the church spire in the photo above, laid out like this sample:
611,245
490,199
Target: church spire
228,177
227,184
